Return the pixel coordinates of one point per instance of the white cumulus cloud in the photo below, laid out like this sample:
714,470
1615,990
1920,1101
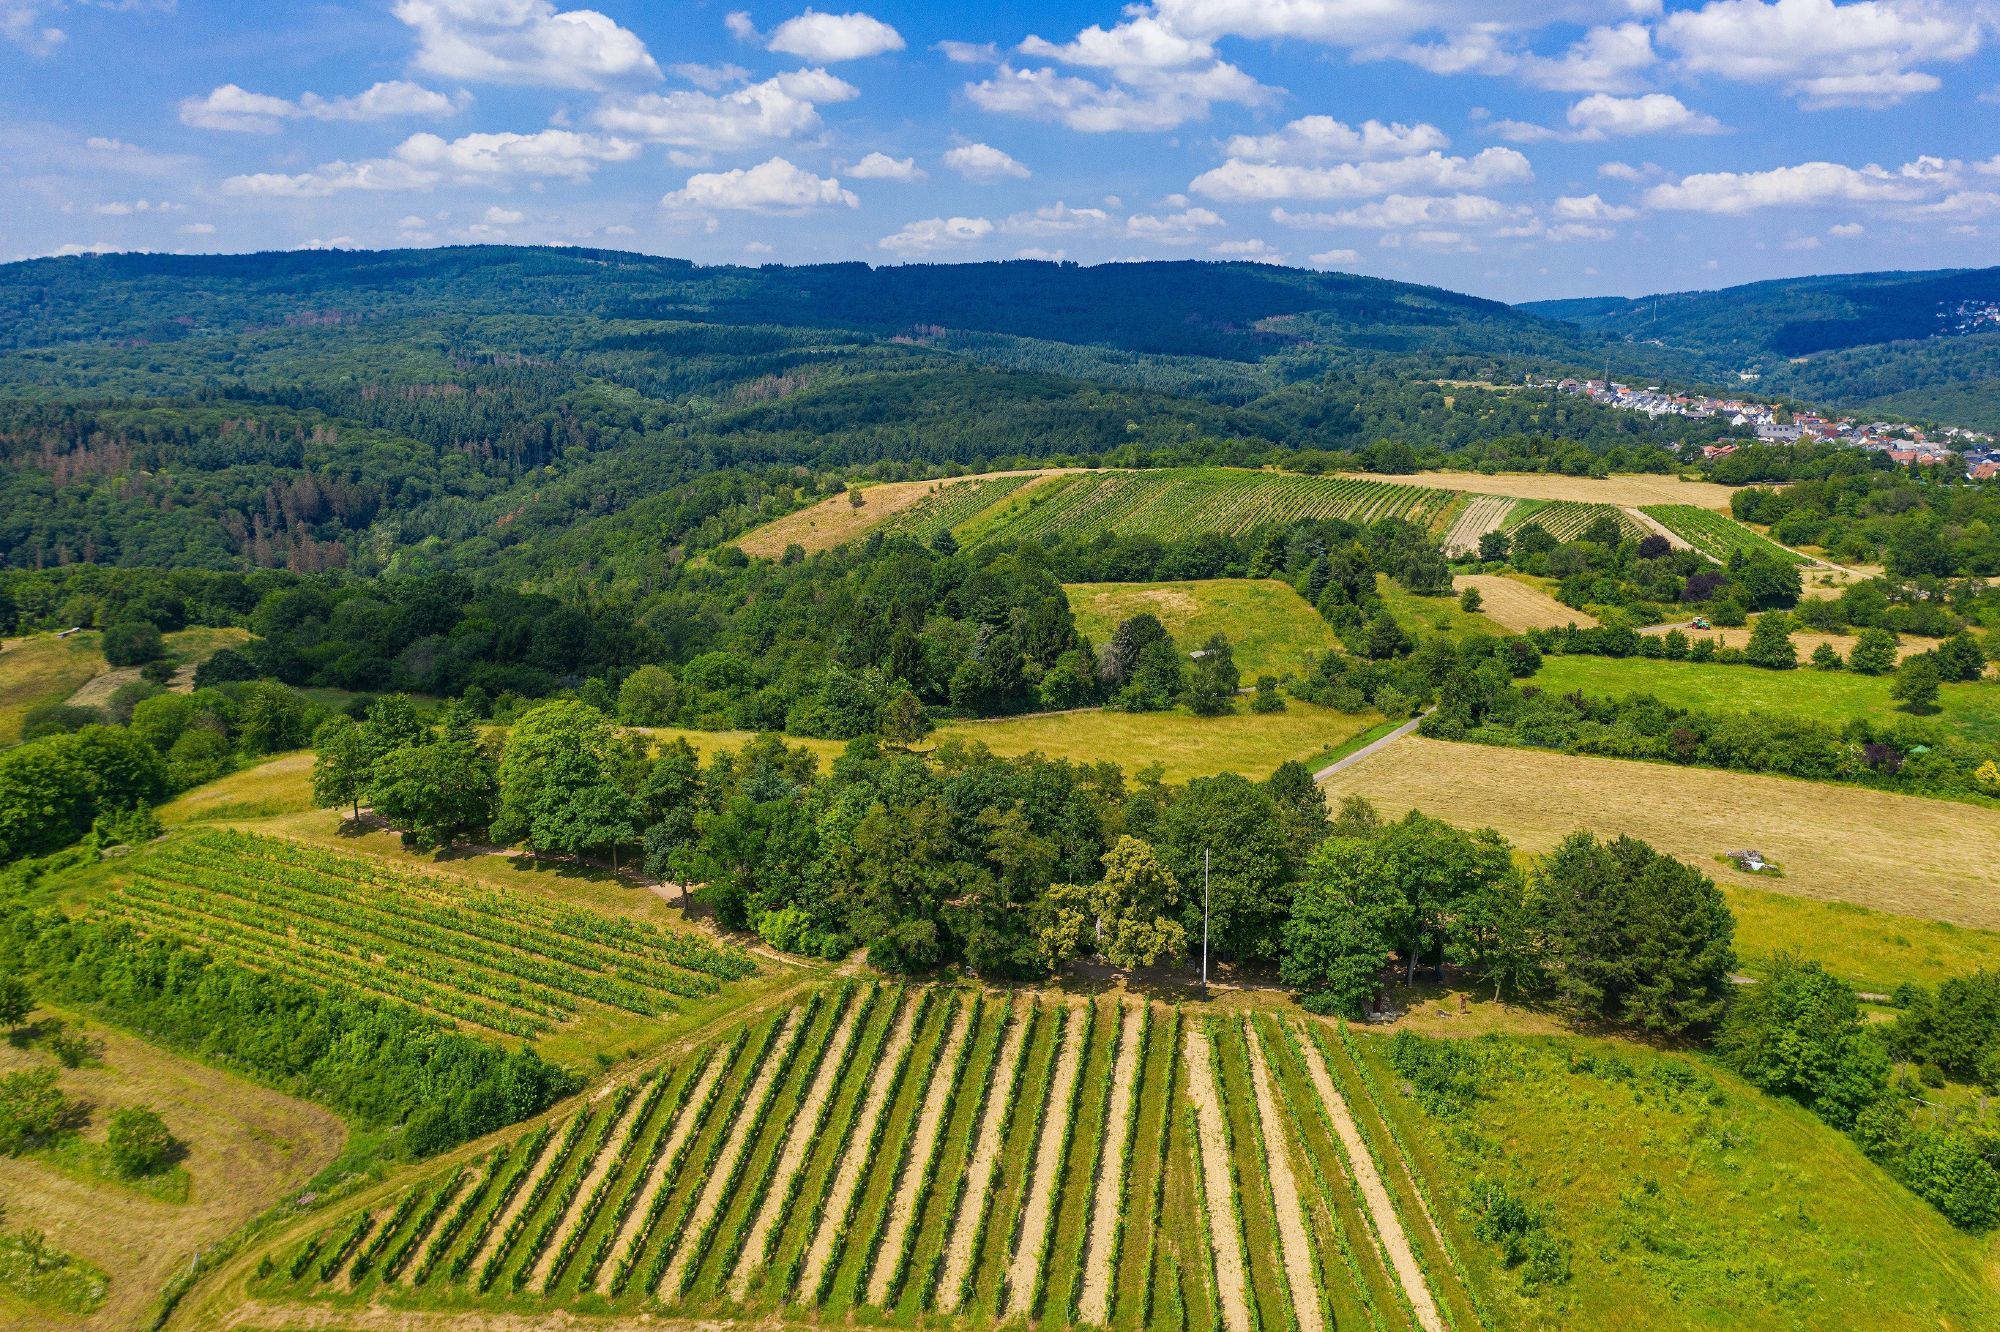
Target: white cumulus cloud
524,41
881,166
830,37
773,186
934,234
783,107
1864,53
983,162
1245,181
1806,185
1324,139
230,107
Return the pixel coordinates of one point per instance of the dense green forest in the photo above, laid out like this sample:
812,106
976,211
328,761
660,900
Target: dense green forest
1862,342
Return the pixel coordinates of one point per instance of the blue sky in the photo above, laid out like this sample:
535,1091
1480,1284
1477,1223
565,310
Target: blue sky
1517,150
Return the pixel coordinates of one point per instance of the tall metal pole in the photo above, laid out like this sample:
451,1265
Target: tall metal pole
1204,920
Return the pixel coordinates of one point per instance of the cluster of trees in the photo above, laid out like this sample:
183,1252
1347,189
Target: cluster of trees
1908,754
1644,580
1928,527
1801,1032
1611,932
1959,657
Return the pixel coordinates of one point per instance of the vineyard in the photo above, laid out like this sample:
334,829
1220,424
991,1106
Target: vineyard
911,1153
507,964
1481,514
951,504
1180,502
1566,520
1715,535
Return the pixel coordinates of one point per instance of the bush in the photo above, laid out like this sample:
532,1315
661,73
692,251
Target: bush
32,1110
47,719
1949,1173
132,643
139,1142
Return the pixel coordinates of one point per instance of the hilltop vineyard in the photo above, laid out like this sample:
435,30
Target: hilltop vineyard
505,964
909,1153
1183,502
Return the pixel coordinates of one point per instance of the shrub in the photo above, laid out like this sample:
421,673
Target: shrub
139,1142
132,643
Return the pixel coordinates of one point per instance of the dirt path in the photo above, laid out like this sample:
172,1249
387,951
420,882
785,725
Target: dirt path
1038,1214
856,1156
678,1138
1292,1236
722,1172
1232,1291
797,1147
606,1162
418,1259
1388,1226
1657,528
1099,1255
930,1129
979,1171
496,1229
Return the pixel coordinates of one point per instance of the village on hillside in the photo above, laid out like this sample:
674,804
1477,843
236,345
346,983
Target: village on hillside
1905,444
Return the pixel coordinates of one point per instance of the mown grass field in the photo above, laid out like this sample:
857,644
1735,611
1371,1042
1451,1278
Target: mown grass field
248,1148
873,1153
1186,746
1970,709
1686,1198
1930,859
41,668
1517,605
1270,627
1443,615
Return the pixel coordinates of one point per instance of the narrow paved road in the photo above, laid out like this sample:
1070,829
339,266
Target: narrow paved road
1342,763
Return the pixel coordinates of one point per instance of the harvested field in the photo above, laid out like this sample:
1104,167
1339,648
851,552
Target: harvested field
1902,854
1630,490
1518,606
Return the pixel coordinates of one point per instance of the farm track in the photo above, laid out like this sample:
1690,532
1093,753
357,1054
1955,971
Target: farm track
847,1179
979,1172
1226,1240
722,1171
923,1152
798,1146
1293,1239
1038,1214
685,1125
1108,1200
1381,1206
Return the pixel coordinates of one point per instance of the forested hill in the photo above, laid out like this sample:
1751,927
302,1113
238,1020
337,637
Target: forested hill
1918,344
1231,311
528,410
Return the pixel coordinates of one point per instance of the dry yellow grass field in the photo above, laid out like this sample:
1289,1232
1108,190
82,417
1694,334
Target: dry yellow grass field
836,519
42,668
1927,858
248,1147
1621,490
1519,607
1186,746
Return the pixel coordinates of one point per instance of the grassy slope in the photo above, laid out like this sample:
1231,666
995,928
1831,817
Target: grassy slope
1269,626
1434,615
1972,710
247,1147
1686,1210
